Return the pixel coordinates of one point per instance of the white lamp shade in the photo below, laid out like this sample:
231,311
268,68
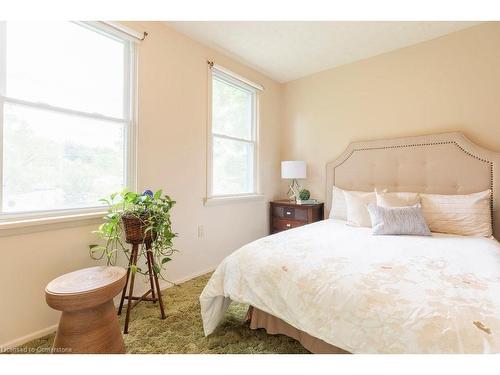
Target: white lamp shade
293,169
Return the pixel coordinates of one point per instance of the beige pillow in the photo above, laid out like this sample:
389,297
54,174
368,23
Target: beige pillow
397,199
338,209
465,215
356,207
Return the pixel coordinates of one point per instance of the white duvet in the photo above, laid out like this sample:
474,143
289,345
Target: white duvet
365,293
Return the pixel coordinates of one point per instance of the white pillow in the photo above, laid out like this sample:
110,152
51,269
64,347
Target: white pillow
397,199
357,211
338,209
465,215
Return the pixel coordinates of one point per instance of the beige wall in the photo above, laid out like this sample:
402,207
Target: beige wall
172,120
446,84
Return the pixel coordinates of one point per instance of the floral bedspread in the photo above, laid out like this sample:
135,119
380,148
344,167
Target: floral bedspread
365,293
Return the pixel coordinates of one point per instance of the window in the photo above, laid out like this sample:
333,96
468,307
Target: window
233,143
65,117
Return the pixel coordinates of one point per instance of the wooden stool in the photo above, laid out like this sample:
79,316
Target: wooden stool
88,322
153,281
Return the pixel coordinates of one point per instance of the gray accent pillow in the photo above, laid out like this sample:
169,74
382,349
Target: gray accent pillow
398,220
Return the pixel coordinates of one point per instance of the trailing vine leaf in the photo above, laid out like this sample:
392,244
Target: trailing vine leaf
156,268
157,194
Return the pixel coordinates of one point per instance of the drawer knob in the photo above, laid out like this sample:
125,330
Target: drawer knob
288,212
288,225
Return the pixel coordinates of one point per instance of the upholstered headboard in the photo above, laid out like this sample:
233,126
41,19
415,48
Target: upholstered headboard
445,163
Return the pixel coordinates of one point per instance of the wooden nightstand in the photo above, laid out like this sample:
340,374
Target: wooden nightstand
286,215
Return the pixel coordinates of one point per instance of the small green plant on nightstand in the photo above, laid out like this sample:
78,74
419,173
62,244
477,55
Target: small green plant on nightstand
304,195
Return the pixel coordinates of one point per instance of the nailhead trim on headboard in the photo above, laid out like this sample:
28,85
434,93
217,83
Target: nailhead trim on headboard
427,144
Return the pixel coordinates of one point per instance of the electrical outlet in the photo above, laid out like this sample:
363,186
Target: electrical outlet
201,231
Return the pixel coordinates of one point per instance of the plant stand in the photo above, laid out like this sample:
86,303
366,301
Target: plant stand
153,280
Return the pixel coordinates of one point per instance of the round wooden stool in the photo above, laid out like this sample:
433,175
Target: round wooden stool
88,322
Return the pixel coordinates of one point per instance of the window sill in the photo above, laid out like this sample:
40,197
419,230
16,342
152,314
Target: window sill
26,225
216,201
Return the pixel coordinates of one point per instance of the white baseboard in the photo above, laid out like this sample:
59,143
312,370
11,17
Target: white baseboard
165,285
28,338
43,332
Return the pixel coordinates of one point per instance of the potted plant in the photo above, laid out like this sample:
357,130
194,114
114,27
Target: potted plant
140,219
304,195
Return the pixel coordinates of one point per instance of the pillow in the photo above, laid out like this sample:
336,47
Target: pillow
398,220
397,199
465,215
357,213
338,209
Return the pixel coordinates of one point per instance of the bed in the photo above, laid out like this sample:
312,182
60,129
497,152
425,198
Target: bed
340,289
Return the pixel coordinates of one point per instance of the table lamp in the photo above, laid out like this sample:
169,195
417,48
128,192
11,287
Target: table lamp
293,169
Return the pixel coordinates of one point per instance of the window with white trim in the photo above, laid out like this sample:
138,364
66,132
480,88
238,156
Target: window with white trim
233,139
65,117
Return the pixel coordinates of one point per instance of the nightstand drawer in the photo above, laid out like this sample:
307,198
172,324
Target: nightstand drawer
283,224
287,212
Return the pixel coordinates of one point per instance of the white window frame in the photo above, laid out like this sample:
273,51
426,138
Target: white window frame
217,72
28,218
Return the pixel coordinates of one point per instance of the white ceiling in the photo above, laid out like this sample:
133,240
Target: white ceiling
285,50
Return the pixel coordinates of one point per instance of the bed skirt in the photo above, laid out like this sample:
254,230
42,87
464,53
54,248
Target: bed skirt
273,325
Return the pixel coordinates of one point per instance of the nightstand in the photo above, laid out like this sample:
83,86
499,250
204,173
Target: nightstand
285,214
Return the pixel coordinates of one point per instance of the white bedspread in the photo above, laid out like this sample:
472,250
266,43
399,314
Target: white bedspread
368,294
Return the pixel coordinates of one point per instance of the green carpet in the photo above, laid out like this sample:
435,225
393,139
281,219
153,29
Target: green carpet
182,330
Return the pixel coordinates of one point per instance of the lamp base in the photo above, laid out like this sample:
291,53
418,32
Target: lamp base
293,190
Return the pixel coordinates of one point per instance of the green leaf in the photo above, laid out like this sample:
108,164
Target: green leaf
133,268
93,246
156,269
165,260
157,194
130,197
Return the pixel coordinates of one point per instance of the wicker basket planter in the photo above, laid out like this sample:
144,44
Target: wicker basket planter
135,229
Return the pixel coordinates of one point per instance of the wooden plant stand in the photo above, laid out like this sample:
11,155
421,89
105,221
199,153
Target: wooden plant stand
153,281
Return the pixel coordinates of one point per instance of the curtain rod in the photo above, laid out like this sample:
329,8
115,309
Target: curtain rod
117,29
134,34
230,73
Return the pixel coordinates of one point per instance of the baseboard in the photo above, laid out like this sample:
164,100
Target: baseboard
28,338
165,285
53,328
